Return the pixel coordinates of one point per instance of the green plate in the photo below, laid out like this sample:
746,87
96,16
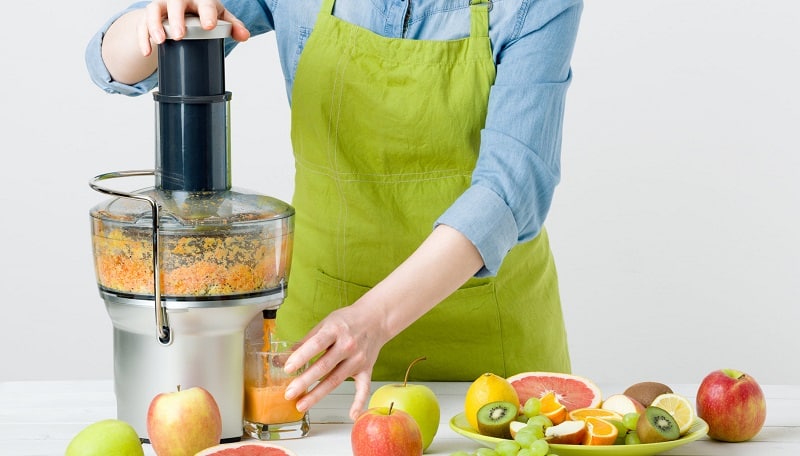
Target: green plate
699,428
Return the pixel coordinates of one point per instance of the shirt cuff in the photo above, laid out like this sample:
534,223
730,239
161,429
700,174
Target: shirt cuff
485,219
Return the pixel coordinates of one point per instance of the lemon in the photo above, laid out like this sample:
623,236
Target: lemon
487,388
679,407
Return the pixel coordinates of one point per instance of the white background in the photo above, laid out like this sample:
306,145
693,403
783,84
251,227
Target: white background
675,227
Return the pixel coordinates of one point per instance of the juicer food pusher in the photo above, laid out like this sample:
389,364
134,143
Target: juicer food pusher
183,267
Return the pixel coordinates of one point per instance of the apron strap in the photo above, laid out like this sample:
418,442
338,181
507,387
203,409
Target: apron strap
479,18
327,7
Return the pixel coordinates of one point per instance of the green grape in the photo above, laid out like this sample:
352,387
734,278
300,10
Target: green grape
538,431
507,448
630,419
525,452
540,420
540,447
460,453
485,452
525,436
532,407
632,438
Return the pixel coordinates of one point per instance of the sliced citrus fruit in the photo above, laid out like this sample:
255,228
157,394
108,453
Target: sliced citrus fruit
248,448
572,391
586,412
599,432
679,407
487,388
552,409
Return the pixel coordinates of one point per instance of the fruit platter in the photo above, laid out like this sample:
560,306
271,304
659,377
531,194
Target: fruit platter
545,413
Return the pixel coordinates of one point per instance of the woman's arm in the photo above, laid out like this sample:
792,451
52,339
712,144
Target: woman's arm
352,337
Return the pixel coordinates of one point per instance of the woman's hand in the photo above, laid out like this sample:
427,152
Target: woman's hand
349,340
128,43
151,30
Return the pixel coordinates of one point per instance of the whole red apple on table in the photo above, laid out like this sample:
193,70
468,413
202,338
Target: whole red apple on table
385,431
419,401
183,422
733,405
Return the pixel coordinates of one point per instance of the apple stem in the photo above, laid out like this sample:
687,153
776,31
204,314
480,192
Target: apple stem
421,358
179,388
391,405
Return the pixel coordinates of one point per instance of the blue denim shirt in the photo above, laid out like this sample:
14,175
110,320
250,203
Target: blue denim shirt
519,161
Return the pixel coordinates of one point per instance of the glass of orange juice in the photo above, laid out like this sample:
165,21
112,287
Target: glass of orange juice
267,415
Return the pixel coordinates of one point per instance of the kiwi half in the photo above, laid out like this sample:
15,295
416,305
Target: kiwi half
657,425
494,419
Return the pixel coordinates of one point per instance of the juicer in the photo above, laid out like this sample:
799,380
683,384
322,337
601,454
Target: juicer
186,265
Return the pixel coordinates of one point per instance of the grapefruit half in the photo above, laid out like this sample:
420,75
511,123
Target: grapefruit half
246,448
572,391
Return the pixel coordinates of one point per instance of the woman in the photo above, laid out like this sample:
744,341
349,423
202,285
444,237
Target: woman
427,141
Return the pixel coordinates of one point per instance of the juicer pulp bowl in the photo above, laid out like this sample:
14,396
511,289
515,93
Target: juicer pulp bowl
208,351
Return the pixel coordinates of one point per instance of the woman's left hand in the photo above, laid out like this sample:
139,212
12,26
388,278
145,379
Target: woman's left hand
349,340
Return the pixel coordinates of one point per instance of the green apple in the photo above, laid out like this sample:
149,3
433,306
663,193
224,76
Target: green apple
419,401
104,438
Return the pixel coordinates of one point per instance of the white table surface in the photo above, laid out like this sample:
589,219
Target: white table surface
41,417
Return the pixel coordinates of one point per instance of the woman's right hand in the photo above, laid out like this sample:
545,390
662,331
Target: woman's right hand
127,47
150,29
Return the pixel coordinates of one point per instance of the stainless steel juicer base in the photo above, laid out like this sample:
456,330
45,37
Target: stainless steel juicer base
207,350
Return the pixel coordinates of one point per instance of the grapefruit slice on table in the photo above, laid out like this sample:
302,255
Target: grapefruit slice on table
572,391
247,448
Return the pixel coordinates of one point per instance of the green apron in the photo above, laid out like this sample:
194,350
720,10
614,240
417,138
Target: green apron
386,134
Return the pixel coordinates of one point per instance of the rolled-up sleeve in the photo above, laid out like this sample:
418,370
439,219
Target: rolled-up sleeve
518,166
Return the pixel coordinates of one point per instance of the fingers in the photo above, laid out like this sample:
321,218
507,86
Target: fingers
152,27
362,382
209,11
176,14
238,30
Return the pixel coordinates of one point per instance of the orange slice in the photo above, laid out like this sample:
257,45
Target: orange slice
586,412
552,409
599,432
679,407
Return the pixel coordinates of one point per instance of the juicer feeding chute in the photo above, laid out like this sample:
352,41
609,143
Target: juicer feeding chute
184,266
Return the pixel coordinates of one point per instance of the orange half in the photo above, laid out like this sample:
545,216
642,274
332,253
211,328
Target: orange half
599,432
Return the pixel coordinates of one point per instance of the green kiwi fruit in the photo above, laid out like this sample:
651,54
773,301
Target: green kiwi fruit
657,425
646,392
494,419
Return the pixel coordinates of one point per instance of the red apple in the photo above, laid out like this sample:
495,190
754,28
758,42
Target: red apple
732,404
384,431
568,432
183,422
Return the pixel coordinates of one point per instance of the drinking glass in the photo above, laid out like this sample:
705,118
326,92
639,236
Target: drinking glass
267,415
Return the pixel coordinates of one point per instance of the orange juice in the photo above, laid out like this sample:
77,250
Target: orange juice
265,404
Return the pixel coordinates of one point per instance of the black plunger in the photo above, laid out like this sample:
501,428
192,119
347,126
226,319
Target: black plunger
192,145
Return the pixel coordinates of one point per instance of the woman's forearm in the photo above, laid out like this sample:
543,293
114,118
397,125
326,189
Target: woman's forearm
122,54
444,261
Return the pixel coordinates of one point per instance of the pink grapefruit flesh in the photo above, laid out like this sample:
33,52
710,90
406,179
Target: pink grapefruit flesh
246,448
572,391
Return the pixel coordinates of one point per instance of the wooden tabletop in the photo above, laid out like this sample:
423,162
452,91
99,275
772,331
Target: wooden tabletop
39,418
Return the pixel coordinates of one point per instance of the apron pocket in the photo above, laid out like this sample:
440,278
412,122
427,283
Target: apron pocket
461,336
